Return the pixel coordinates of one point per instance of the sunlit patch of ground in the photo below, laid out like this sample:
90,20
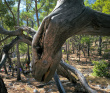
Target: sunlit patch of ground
28,84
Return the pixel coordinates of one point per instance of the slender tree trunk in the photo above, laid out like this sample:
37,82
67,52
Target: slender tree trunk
73,48
13,71
28,56
18,63
18,13
17,47
10,11
88,49
79,51
106,43
2,22
100,48
28,61
6,72
67,50
37,16
83,51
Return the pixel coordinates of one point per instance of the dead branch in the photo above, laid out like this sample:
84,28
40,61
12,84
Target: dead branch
19,31
7,47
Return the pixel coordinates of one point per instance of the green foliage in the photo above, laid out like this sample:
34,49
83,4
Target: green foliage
26,15
3,9
101,69
11,3
67,61
62,51
106,8
23,47
86,3
85,39
9,21
47,7
102,6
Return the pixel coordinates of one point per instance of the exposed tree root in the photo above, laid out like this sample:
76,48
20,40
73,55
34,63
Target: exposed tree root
79,75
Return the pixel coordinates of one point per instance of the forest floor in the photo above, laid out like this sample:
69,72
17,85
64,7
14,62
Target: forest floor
29,85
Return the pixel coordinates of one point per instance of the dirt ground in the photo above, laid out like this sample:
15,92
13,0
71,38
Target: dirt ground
29,85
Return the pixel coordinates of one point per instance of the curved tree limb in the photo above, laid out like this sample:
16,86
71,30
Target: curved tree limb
7,47
29,30
65,73
4,39
11,33
19,31
79,75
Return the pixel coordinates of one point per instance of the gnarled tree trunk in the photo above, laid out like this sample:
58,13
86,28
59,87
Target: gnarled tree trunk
70,17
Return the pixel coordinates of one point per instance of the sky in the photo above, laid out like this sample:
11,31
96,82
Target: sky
22,5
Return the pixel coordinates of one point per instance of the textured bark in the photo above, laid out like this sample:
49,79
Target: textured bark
65,73
17,32
70,17
18,62
6,72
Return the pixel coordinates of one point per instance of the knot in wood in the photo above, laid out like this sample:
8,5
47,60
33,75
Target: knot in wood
44,62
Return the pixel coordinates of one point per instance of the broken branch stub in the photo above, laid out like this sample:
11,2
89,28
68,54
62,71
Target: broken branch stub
70,17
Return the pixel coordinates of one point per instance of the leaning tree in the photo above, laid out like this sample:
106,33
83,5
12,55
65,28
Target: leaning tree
69,17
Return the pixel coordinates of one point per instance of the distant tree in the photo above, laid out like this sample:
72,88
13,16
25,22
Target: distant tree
17,45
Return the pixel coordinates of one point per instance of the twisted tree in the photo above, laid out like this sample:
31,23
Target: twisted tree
69,17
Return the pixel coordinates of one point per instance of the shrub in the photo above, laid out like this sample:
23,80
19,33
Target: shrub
101,68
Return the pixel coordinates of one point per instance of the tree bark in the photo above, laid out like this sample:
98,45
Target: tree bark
88,49
37,16
70,17
100,44
18,12
6,72
18,62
